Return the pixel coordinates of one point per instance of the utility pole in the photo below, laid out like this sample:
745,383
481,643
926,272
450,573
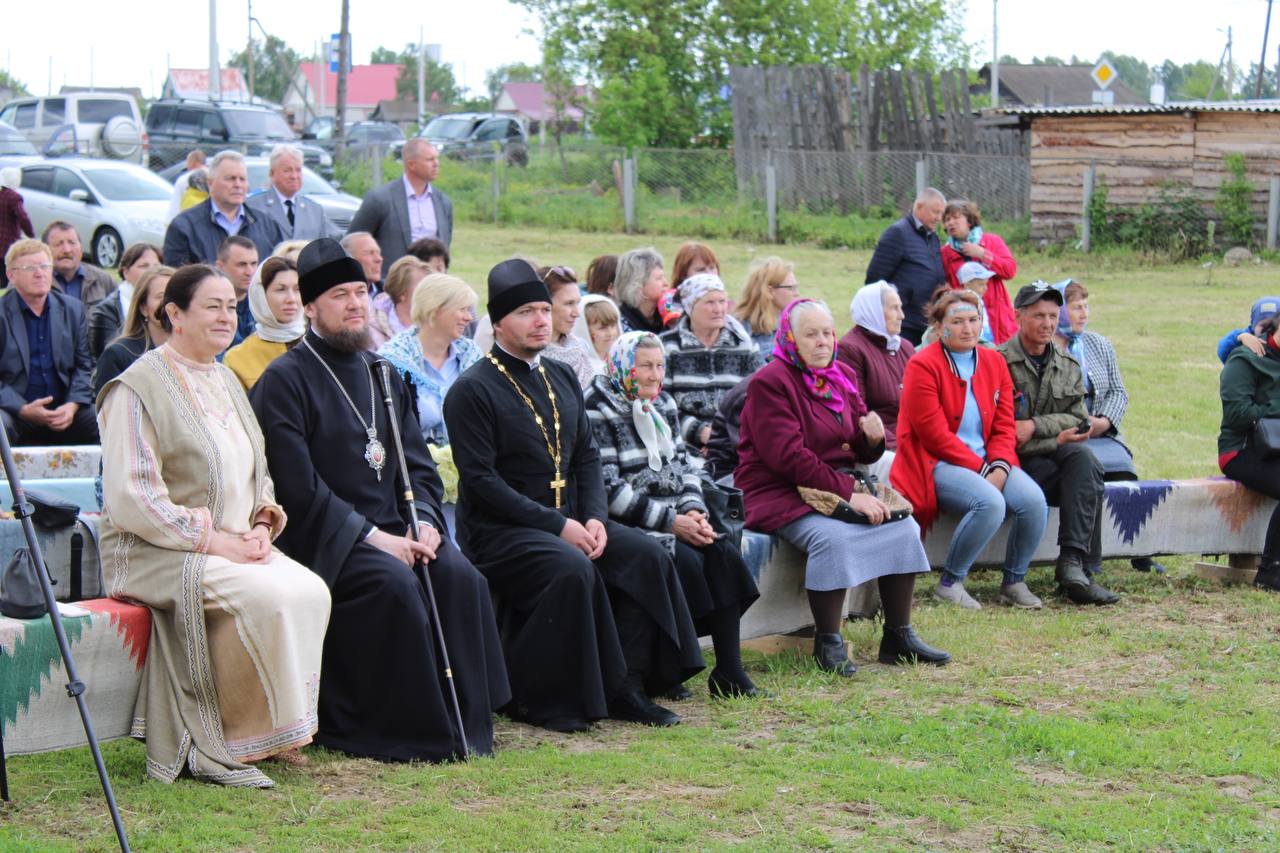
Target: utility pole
995,54
340,111
249,51
215,77
422,77
1231,69
1262,63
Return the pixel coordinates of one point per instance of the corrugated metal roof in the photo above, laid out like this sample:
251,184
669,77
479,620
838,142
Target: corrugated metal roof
1148,109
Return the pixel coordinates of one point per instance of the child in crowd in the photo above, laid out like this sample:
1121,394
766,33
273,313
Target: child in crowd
1250,336
599,325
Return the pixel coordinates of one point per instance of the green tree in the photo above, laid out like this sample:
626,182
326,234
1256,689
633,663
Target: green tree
440,84
1250,84
274,64
8,81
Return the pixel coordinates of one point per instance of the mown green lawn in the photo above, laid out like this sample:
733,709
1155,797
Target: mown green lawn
1148,726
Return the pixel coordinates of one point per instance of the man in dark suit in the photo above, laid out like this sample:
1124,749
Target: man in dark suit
298,216
71,274
408,208
195,234
909,256
45,395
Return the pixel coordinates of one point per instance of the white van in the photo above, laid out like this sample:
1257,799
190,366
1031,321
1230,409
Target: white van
88,124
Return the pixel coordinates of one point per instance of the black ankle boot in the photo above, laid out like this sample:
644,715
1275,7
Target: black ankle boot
1268,576
722,686
830,653
902,645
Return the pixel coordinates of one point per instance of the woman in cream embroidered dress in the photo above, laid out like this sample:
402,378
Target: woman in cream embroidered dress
233,667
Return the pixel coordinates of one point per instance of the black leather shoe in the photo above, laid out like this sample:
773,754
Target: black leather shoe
830,653
635,707
566,725
1069,571
721,686
903,645
1146,564
1094,593
679,693
1268,576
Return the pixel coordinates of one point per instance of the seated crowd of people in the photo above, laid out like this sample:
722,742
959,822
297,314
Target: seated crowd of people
282,400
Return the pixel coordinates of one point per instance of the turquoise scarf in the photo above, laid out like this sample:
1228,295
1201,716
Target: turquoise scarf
975,234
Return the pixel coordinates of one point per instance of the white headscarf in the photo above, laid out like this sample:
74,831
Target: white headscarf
582,331
11,177
268,327
867,311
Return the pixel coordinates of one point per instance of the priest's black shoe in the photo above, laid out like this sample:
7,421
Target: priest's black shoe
722,686
679,693
1268,576
830,653
1069,571
635,707
903,645
566,725
1094,593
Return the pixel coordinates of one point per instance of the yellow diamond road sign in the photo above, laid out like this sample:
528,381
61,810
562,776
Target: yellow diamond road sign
1104,74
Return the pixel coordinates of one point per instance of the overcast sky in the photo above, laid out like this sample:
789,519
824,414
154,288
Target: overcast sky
135,46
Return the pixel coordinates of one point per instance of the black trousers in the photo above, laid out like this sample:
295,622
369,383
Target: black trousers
83,430
1071,478
1249,469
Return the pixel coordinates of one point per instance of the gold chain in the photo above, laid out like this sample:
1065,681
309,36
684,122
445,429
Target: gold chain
552,450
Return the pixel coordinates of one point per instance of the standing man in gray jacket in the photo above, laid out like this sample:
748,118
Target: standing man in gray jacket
408,208
298,216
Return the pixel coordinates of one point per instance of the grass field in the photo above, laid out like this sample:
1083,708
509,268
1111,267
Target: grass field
1148,726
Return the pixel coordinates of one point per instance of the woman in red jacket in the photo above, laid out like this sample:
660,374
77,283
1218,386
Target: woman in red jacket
805,426
968,242
956,452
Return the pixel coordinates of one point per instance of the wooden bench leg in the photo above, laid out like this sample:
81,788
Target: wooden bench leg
1240,569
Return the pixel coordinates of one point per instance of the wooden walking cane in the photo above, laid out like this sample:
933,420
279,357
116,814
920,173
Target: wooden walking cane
384,369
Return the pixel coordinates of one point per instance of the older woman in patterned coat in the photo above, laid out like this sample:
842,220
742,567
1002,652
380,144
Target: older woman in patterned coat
652,485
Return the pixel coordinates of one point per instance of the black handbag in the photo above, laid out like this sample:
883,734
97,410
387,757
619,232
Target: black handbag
726,511
21,596
50,511
1266,437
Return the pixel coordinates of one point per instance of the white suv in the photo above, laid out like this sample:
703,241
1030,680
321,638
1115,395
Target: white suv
88,124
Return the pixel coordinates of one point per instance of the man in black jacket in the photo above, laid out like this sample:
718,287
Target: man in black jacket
909,256
195,234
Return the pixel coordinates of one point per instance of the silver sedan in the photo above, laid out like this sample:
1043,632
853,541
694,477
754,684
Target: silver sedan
111,204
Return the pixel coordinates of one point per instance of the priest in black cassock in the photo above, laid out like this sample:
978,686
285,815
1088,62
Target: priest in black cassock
383,692
594,618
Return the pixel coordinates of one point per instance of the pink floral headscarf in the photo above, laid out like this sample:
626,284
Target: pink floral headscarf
822,382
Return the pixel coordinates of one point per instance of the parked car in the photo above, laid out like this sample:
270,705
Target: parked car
361,136
15,149
111,204
338,207
471,136
176,126
88,124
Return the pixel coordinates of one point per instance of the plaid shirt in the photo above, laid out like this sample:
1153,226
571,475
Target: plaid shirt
1106,396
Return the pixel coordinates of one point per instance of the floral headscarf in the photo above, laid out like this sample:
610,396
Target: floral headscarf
822,382
654,432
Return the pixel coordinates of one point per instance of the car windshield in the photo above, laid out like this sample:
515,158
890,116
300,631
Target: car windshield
312,184
254,123
128,185
13,142
448,128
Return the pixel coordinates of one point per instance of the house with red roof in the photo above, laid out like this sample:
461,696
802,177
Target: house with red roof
313,92
533,104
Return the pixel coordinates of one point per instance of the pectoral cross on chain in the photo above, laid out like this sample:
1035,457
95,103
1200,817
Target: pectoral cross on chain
558,483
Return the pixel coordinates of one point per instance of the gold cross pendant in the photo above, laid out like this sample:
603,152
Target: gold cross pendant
558,483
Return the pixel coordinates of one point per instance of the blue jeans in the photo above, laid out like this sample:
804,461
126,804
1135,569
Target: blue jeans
984,507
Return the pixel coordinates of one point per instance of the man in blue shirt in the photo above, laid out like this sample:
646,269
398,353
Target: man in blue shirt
237,260
193,237
909,256
45,392
71,274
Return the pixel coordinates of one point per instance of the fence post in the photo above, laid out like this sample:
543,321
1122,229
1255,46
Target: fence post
771,199
1273,212
922,176
1086,226
497,187
629,193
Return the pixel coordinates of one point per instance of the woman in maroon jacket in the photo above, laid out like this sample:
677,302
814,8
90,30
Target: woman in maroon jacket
957,452
804,425
874,348
14,222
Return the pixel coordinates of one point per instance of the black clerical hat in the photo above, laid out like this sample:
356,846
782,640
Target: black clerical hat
323,264
511,284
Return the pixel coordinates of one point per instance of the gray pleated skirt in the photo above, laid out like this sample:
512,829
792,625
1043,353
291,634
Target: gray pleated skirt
842,555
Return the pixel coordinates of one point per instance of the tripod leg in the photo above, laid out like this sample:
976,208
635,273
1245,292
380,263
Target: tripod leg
4,773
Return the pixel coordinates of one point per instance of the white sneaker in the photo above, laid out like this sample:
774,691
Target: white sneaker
1017,595
955,594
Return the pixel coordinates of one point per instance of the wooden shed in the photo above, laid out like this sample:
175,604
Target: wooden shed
1140,150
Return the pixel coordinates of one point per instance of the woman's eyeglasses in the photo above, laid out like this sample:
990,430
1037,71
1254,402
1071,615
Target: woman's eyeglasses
565,273
784,287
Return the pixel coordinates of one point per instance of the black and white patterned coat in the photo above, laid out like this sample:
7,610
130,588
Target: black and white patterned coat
698,376
637,495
